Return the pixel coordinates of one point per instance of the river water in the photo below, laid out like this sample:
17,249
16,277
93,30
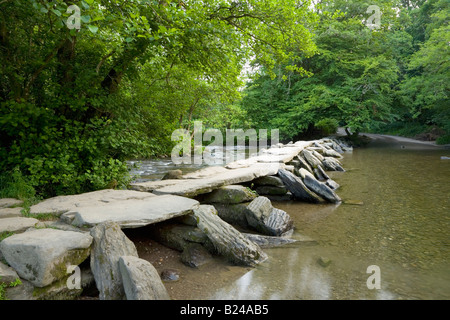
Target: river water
400,224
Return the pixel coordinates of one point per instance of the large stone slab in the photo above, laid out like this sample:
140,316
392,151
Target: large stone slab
16,224
42,256
62,204
110,243
226,239
191,187
321,189
140,280
133,213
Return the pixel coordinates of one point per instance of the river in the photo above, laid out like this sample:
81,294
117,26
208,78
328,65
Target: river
400,224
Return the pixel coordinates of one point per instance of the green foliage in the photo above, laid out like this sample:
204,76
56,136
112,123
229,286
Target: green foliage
75,104
327,126
14,185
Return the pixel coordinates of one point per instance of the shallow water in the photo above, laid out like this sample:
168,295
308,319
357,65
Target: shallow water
402,227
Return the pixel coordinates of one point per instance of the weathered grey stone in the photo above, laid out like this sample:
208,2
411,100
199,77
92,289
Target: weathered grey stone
177,236
10,202
321,189
140,280
271,190
332,184
269,181
10,212
304,164
110,243
336,147
207,180
311,159
233,213
7,274
320,172
17,224
226,239
230,195
43,255
303,173
298,189
332,164
61,204
262,216
317,155
332,153
134,213
195,255
169,275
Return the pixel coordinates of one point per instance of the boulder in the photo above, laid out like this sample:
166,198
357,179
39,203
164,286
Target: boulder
332,153
321,189
228,241
230,195
42,256
332,164
140,280
266,219
319,172
17,224
233,213
177,236
298,189
195,255
110,243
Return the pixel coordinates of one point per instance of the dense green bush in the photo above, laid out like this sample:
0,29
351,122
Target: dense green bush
327,126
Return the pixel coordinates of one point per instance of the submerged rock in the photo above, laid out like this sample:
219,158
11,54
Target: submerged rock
170,275
195,255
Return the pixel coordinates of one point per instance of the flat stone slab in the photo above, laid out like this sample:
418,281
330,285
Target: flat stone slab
207,181
10,202
133,213
10,212
61,204
41,256
17,224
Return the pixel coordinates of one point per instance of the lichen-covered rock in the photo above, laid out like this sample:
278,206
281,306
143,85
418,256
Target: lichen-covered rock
228,241
42,256
230,195
177,236
269,181
140,280
110,243
233,213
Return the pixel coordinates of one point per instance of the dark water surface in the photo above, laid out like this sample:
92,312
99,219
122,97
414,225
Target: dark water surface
402,227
